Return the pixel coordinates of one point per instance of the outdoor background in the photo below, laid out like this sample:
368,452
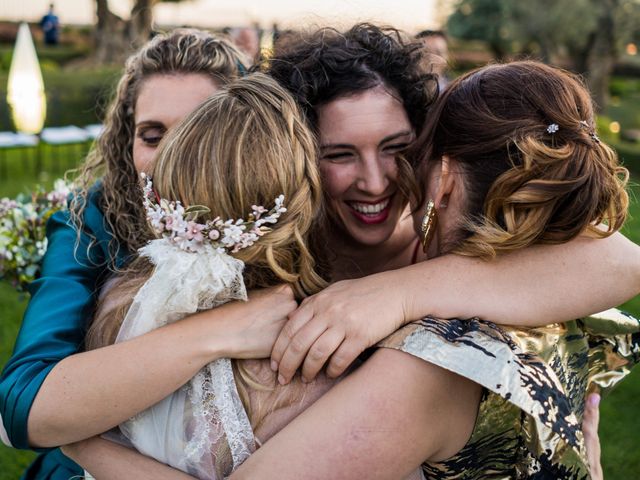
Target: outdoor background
595,38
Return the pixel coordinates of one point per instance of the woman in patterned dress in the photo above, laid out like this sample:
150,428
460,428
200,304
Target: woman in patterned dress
511,159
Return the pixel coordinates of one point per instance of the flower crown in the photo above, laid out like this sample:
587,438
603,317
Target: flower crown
173,221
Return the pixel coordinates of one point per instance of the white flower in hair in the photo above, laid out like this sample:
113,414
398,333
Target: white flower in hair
173,221
553,128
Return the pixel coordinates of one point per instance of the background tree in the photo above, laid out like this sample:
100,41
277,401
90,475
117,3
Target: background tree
586,35
117,37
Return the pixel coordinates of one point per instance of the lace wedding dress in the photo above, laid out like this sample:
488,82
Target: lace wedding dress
202,428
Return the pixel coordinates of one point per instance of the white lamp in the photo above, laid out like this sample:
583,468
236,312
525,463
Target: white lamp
25,89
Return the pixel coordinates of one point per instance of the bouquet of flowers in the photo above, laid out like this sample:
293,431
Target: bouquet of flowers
22,232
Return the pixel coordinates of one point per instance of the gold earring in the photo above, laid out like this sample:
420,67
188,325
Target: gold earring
428,225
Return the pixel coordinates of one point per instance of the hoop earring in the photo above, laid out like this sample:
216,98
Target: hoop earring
428,225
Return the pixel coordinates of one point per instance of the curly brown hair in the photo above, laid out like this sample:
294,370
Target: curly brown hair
111,158
327,64
523,134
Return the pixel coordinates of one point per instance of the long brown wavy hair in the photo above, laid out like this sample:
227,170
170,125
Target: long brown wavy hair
111,158
535,171
244,146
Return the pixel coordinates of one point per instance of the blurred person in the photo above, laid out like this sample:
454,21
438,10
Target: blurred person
50,25
435,43
247,39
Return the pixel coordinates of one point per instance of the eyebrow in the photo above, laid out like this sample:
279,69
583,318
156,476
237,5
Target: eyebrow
386,139
149,123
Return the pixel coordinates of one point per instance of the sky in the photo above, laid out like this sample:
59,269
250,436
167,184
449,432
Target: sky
405,14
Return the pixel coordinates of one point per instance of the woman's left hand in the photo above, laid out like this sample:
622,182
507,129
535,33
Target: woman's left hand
336,325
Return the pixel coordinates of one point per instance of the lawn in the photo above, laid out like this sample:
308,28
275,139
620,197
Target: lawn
620,424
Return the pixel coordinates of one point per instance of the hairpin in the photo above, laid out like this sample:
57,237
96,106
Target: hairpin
553,128
590,130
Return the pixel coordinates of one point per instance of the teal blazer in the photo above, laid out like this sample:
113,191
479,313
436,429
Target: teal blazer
62,301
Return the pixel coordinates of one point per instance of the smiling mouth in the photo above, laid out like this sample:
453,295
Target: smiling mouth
371,213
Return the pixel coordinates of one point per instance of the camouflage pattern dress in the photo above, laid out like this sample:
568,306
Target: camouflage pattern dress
535,384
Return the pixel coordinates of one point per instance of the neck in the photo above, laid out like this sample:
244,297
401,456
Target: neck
354,260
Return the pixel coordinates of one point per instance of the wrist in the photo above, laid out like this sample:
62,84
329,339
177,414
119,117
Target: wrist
203,338
75,450
216,333
403,296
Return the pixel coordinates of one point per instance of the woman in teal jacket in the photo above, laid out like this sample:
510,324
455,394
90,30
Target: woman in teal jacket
76,265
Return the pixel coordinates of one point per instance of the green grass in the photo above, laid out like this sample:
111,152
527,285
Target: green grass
12,307
17,175
620,422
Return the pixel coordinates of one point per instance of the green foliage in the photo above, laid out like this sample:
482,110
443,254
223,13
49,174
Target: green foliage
481,20
60,55
545,28
623,87
22,232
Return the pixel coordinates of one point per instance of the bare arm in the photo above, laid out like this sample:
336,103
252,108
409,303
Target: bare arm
535,286
91,392
106,460
381,422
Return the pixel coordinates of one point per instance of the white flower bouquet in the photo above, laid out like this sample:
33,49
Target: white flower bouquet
22,232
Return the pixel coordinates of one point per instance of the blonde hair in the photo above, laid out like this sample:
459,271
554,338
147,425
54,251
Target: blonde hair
111,158
244,146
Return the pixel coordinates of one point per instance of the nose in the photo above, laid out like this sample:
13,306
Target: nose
373,177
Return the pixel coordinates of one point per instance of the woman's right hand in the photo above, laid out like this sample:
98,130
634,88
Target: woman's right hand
249,329
590,423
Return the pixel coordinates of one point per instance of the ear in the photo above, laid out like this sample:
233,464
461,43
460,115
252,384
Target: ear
447,183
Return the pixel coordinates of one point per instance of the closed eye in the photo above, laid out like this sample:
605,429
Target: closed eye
152,135
336,155
396,147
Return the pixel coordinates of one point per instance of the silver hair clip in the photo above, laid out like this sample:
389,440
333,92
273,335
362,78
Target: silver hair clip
553,128
591,131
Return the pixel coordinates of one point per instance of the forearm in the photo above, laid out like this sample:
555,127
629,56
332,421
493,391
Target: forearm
106,460
91,392
381,422
535,286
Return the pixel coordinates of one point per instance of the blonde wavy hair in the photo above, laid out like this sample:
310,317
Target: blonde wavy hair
111,158
244,146
526,182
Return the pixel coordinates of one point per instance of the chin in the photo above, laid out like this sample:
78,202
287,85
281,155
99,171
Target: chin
370,240
370,235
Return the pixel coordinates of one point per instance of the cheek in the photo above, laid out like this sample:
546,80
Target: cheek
142,156
336,180
390,168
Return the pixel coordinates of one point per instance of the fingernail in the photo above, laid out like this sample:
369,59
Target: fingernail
281,380
594,400
274,365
